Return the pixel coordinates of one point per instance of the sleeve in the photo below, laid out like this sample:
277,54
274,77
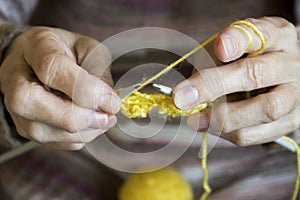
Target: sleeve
14,15
8,32
17,11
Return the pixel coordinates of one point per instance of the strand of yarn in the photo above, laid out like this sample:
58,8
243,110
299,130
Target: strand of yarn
294,143
205,184
261,36
247,33
174,64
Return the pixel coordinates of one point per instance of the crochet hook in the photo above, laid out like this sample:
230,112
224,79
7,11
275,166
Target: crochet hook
127,91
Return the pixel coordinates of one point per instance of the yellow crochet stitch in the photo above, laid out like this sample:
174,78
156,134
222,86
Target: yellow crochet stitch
139,105
164,184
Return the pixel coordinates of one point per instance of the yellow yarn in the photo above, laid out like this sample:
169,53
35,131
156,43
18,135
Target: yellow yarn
256,31
139,105
294,143
247,33
206,187
164,184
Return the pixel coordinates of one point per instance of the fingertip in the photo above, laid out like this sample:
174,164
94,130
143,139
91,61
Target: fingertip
112,121
116,104
230,44
109,102
185,96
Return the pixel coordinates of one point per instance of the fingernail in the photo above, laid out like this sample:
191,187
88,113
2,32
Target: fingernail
198,122
230,46
186,97
98,120
111,121
110,103
116,103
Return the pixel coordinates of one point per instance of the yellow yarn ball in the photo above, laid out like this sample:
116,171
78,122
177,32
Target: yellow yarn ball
164,184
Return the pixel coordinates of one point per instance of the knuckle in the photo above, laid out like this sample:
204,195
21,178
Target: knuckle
286,28
211,89
261,25
240,138
19,98
68,123
35,133
274,107
283,23
42,34
278,25
253,70
49,67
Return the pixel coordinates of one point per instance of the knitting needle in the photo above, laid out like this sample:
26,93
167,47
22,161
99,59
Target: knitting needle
18,151
168,91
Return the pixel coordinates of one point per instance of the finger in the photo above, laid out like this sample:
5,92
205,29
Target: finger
94,57
266,132
56,69
48,108
233,42
263,108
243,75
66,146
44,133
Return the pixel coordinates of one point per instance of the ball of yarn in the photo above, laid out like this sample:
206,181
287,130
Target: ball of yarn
164,184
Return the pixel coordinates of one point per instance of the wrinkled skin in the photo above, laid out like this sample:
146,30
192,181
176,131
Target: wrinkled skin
42,58
261,118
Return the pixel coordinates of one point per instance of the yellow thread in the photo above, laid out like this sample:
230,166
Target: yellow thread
257,32
205,184
172,65
294,143
247,33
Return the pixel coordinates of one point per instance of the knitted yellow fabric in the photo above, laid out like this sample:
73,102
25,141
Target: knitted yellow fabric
140,104
164,184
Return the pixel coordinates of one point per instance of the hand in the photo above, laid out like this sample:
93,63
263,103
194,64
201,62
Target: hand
264,117
42,58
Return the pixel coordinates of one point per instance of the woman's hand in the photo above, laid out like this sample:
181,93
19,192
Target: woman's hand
264,117
50,96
